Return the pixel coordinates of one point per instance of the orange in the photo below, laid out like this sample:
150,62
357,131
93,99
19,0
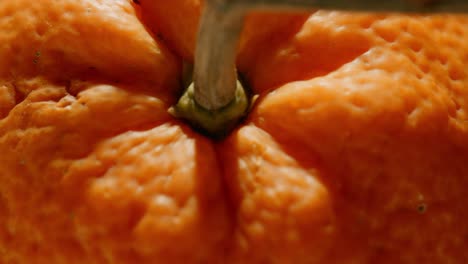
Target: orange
355,152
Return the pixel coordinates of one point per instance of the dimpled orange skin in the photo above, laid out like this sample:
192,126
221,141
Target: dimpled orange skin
355,152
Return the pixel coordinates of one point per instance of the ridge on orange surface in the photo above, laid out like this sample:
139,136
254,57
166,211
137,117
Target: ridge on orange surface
355,152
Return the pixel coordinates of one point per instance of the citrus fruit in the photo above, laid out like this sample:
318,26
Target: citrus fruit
356,150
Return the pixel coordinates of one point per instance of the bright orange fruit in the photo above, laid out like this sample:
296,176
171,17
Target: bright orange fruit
356,151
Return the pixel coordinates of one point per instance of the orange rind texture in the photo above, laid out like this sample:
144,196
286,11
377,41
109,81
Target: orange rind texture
356,150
